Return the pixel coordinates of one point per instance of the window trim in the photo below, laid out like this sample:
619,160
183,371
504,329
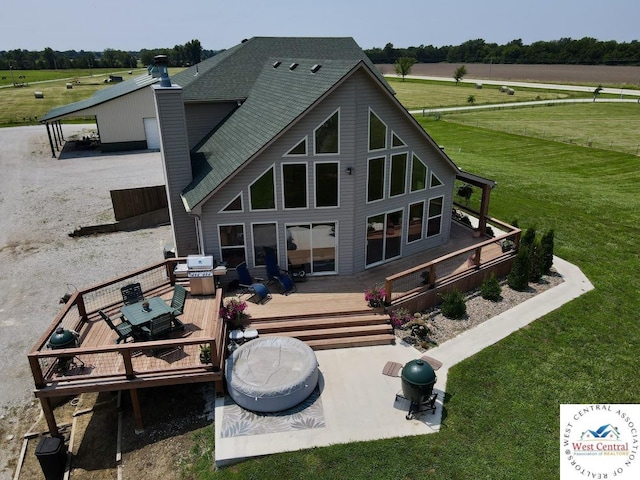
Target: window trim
253,241
227,212
282,182
386,132
404,187
315,146
384,178
244,236
429,216
275,197
304,140
315,189
422,221
431,177
391,145
427,170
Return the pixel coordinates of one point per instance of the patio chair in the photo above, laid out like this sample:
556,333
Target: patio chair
132,293
178,300
124,329
159,327
259,292
277,274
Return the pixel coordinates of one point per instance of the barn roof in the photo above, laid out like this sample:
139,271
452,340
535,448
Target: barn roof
101,96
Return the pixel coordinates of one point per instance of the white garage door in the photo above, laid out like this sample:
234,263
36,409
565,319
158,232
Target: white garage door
151,133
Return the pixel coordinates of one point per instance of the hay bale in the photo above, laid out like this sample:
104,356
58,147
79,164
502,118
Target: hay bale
39,95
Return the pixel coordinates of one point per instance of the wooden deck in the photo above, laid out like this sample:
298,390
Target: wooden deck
320,305
345,293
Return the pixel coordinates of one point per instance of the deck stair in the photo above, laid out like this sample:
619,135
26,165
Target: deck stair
334,330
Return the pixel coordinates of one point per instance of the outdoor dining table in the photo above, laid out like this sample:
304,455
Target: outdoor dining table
137,316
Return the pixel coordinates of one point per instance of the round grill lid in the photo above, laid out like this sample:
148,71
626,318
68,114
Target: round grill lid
419,372
62,338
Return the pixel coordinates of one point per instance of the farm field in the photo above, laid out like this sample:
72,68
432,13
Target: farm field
417,94
605,75
20,107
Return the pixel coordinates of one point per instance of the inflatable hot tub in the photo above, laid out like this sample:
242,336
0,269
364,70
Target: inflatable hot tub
271,374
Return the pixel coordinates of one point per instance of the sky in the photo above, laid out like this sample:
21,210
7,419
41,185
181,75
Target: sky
132,25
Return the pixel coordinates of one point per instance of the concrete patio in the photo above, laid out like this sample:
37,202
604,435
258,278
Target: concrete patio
357,402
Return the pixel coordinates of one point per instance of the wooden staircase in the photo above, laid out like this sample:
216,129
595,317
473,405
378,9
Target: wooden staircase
334,330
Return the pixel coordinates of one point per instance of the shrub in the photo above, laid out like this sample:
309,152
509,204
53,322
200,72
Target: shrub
400,316
453,305
528,237
547,251
490,289
535,261
518,278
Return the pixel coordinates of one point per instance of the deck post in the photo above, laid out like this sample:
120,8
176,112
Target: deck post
477,256
128,366
45,402
137,413
388,290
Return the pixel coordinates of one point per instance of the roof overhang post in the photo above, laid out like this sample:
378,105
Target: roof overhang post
53,151
484,209
59,122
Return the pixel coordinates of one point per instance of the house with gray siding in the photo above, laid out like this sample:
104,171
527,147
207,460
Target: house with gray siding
299,146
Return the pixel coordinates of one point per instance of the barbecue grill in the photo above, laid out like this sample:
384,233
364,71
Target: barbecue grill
60,340
418,378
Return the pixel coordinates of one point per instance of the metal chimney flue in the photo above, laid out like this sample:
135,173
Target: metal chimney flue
162,62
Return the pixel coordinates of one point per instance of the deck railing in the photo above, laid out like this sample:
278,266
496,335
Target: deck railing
114,366
456,265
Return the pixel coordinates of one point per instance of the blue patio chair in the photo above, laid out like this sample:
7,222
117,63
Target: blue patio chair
259,292
277,274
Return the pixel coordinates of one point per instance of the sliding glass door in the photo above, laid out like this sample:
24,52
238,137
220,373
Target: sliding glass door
384,237
312,247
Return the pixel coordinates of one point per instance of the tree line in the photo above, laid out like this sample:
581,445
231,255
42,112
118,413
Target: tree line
179,56
585,51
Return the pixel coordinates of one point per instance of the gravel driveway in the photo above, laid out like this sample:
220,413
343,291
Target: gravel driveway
42,200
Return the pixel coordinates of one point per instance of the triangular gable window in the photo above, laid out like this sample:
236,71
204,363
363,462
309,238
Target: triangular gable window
327,135
377,132
434,181
396,141
234,205
299,149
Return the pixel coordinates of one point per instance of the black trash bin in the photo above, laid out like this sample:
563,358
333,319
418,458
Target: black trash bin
52,455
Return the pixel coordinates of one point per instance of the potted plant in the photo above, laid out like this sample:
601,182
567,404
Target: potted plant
232,312
375,296
205,353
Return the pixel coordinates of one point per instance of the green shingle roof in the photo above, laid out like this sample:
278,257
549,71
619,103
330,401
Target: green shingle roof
278,97
230,75
101,96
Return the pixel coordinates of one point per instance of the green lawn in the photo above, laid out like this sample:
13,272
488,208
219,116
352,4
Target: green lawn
501,416
611,126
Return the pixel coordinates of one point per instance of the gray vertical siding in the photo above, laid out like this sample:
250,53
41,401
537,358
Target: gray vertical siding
203,118
177,164
353,97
